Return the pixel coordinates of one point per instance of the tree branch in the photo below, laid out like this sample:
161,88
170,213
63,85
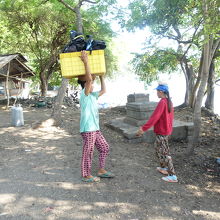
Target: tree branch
191,42
215,48
177,31
89,1
216,82
178,37
43,2
173,37
80,3
68,6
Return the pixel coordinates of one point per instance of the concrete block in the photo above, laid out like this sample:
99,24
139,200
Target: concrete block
179,133
189,139
138,115
139,106
117,124
180,130
190,130
139,97
138,112
134,122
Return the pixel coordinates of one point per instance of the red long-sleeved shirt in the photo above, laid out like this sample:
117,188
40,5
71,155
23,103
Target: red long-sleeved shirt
161,119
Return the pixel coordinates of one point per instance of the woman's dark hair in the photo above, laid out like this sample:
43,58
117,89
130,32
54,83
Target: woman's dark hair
82,83
168,101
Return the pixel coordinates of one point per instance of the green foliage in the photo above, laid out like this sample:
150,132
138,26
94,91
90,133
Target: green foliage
96,24
34,30
210,21
55,79
40,29
159,15
179,21
148,66
100,29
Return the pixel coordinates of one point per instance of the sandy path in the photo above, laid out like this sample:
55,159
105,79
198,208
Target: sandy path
40,179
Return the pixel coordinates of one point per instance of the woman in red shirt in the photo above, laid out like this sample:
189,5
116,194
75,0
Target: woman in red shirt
162,120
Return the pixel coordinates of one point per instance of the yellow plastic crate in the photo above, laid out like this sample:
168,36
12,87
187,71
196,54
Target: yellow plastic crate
72,65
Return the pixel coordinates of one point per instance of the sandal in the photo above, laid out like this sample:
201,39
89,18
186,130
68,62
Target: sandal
170,179
91,180
106,175
162,170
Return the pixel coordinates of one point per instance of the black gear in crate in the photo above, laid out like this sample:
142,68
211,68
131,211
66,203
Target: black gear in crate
78,43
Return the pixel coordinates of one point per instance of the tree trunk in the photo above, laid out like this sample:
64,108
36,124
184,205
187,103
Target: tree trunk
211,80
198,103
43,83
196,85
6,87
56,114
205,67
43,86
46,73
200,95
189,78
209,51
209,104
191,83
186,99
79,24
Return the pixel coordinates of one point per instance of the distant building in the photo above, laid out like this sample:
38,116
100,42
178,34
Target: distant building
14,74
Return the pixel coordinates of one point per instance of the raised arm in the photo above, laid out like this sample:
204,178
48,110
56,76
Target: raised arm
103,88
88,76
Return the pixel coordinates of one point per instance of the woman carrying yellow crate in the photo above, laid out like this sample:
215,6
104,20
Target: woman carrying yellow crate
89,126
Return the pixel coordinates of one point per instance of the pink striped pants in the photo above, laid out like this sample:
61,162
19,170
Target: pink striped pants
90,140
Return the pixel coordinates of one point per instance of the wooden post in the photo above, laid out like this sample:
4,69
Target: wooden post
20,89
6,86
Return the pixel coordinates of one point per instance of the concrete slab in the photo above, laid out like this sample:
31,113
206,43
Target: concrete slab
181,131
138,111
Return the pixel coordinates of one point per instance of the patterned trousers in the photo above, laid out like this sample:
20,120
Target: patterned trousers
163,153
90,140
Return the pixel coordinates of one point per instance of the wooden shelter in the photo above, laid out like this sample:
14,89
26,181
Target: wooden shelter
13,68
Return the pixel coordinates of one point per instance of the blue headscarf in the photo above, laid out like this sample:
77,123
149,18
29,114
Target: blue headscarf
163,88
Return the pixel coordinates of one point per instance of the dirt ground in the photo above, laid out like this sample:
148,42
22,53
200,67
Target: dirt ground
40,174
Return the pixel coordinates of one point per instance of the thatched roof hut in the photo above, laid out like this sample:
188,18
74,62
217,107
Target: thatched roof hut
13,66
